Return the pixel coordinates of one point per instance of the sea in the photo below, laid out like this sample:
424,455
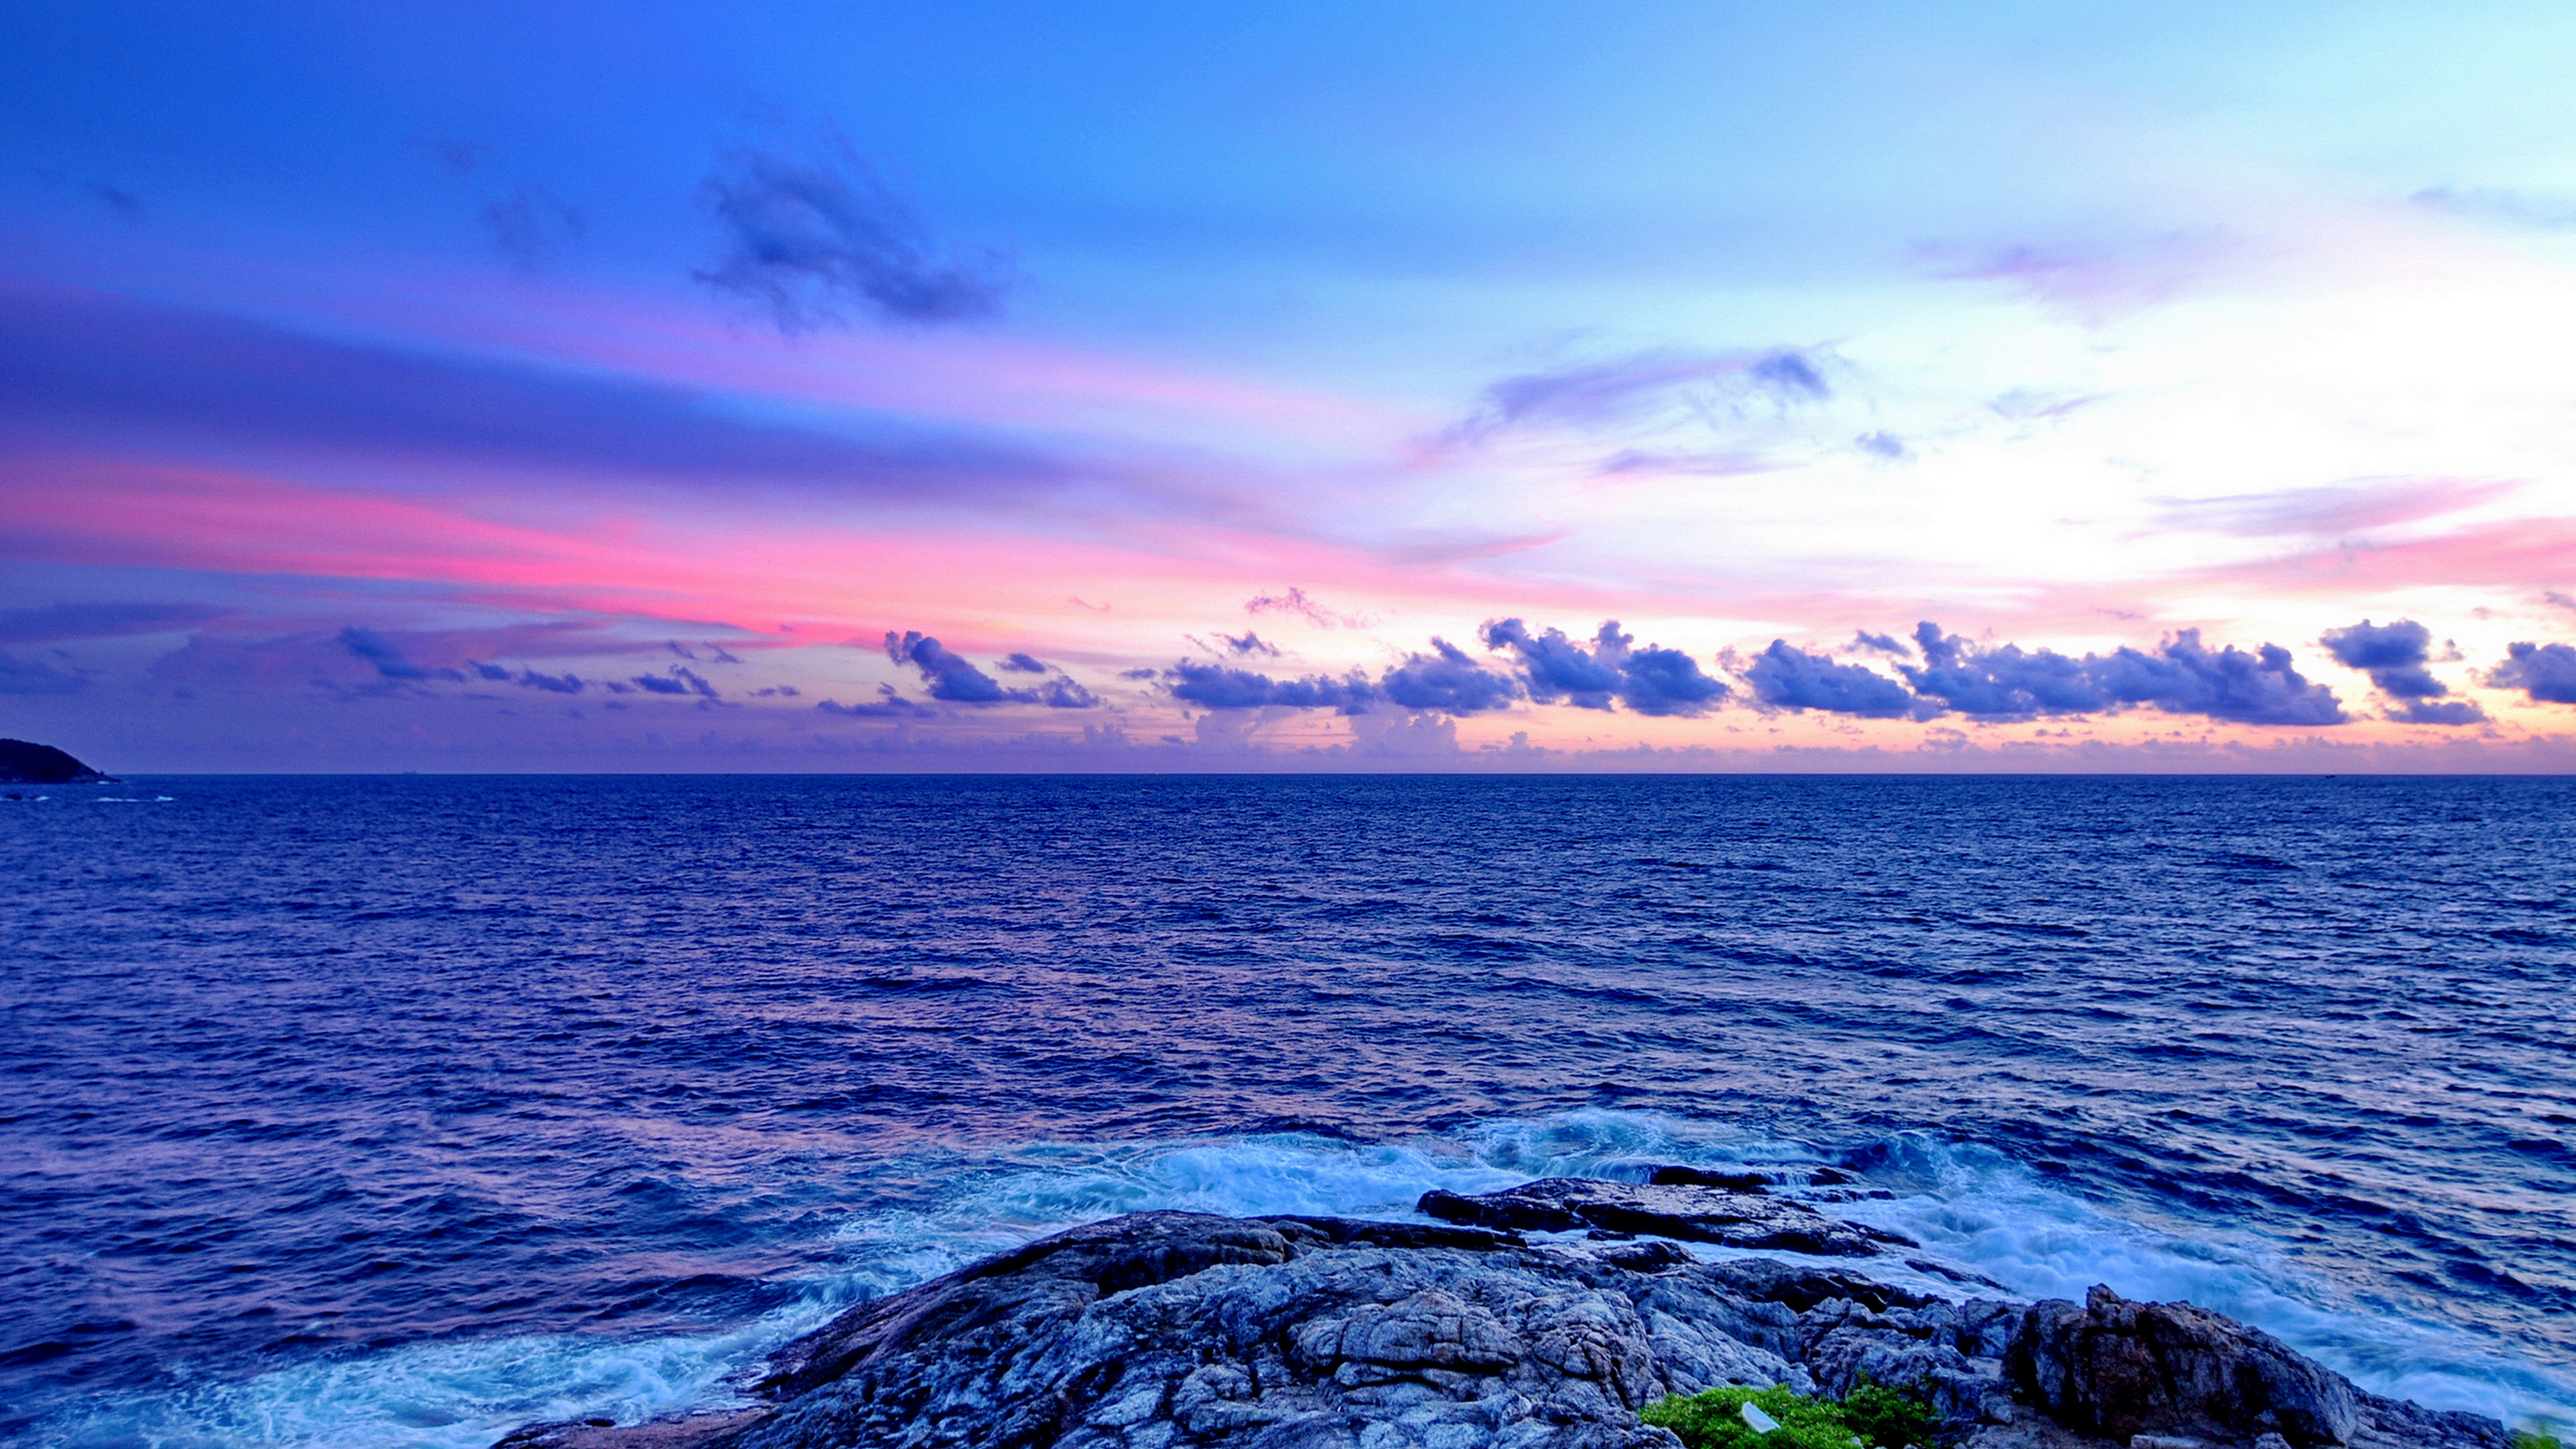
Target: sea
385,1111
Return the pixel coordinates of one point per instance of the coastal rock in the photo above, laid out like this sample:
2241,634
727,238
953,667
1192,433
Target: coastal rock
25,763
2169,1370
1693,1212
1187,1331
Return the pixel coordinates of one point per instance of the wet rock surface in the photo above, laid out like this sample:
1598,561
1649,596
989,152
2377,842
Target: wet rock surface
1692,1212
1181,1329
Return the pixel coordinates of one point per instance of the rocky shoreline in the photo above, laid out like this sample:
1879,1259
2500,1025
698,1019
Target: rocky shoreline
1165,1329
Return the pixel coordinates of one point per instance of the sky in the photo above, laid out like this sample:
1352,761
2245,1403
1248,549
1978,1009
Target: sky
1139,387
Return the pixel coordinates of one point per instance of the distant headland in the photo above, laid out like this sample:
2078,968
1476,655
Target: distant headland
25,763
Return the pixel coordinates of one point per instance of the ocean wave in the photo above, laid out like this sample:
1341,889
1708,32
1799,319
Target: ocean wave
1967,1205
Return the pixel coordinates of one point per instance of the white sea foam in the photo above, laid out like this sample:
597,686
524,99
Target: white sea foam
1969,1207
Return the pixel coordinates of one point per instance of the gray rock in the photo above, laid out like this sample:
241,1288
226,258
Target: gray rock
1691,1212
2173,1371
1186,1331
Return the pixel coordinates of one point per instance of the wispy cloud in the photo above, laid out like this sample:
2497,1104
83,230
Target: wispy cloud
810,239
2538,210
59,622
1622,389
2333,510
80,368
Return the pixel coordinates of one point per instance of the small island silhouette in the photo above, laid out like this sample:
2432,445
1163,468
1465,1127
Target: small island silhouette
25,763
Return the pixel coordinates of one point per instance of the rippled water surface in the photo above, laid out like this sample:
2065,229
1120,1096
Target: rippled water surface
402,1111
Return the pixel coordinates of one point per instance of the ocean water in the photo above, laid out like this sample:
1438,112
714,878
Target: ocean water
401,1111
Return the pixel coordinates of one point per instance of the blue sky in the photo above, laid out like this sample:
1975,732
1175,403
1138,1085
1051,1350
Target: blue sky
368,367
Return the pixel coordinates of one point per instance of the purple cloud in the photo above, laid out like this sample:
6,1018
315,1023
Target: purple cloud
810,239
1794,679
76,367
2545,673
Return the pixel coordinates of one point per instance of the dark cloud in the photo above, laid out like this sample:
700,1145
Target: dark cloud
1789,678
1447,680
34,676
1667,682
1217,686
2393,656
388,659
1022,664
1653,680
492,672
75,367
2546,673
947,676
809,239
1881,445
55,623
1883,643
531,224
2003,683
552,683
1247,644
656,684
2182,676
1555,667
953,677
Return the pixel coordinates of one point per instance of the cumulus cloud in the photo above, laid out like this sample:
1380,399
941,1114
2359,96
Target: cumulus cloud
1651,681
1788,678
1447,680
2183,676
1218,686
2393,655
809,239
954,679
1999,684
1555,667
2545,673
948,676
